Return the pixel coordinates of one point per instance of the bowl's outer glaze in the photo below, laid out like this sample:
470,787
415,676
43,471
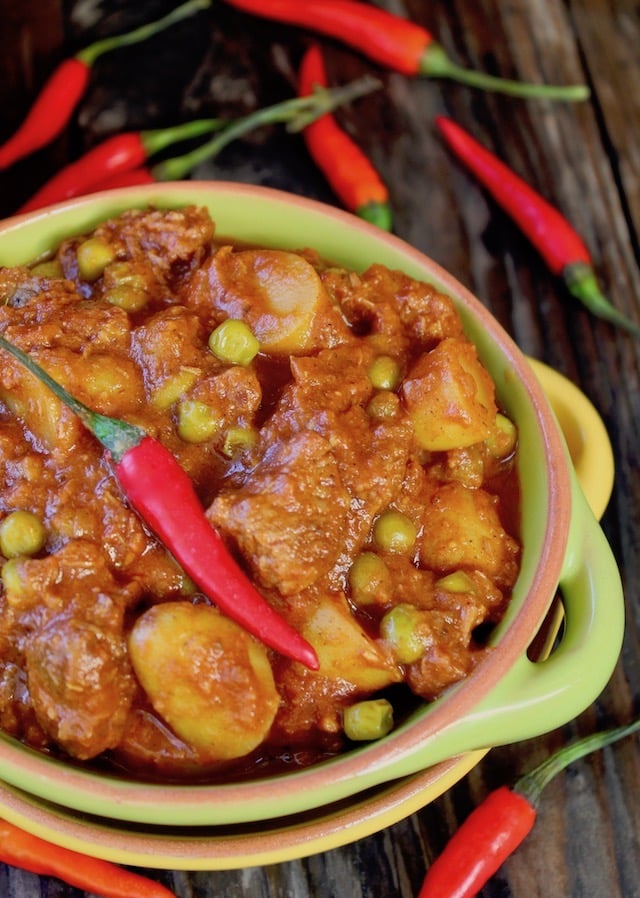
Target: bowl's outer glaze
508,697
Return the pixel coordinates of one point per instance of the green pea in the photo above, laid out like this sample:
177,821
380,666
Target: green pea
367,720
93,257
458,582
197,421
384,373
233,341
11,579
383,405
237,439
21,533
127,297
187,586
394,532
369,579
502,440
399,627
174,387
50,268
121,272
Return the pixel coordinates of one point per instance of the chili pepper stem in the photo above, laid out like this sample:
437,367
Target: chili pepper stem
117,436
158,139
378,214
297,113
581,281
532,783
89,54
435,63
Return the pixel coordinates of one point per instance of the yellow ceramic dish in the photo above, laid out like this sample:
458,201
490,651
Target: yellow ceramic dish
585,434
224,848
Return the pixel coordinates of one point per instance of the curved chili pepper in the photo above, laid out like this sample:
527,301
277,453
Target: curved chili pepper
115,155
497,826
557,241
394,42
50,112
64,88
160,491
346,168
31,853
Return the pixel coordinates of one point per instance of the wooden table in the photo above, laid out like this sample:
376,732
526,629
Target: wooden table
586,159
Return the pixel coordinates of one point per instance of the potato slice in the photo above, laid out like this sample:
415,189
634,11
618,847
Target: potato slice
282,295
345,651
450,397
205,676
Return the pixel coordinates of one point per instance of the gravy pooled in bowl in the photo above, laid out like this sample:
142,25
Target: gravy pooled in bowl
346,442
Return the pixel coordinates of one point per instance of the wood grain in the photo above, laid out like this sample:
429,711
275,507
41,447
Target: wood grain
586,159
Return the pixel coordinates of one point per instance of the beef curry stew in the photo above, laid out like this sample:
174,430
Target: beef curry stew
345,440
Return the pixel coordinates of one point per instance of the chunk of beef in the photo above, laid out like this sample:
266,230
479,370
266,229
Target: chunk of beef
67,612
289,518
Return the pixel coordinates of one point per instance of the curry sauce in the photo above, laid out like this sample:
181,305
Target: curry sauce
345,440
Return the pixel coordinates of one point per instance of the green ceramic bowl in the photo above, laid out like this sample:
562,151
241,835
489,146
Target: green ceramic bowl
509,697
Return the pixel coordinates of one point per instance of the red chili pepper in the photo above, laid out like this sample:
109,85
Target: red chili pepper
394,42
31,853
557,241
63,90
296,113
346,168
50,112
163,495
131,178
115,155
496,827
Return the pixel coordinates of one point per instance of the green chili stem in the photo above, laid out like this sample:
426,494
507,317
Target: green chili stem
377,213
158,139
582,283
115,435
436,64
532,784
89,54
296,113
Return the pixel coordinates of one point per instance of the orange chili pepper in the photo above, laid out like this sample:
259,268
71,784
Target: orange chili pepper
28,852
349,172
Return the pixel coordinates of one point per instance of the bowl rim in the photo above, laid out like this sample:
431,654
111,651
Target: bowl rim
49,778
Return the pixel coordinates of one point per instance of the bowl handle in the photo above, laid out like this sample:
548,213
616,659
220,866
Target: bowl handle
584,432
537,696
